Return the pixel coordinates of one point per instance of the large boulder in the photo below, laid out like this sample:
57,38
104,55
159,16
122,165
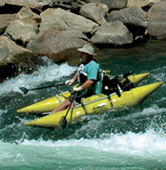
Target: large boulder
22,30
95,12
57,45
60,19
133,17
114,33
15,59
157,16
112,4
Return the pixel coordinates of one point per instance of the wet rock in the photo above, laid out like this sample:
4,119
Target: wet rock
12,55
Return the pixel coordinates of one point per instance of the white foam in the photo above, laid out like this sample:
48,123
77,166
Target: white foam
148,143
49,73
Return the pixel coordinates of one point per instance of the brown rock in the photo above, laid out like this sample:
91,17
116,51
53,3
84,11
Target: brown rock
5,20
15,59
58,45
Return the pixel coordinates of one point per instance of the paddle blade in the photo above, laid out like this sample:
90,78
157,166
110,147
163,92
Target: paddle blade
24,90
63,122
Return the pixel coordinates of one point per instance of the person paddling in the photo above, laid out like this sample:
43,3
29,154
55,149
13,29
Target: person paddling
87,76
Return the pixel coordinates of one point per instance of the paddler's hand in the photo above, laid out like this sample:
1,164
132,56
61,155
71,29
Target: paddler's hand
75,89
69,82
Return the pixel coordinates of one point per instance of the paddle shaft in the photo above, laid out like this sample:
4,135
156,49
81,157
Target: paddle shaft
38,88
25,90
64,121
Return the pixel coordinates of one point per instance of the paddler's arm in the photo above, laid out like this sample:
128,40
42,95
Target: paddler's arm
87,84
75,77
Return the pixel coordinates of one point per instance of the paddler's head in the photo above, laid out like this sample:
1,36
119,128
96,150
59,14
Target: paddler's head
87,52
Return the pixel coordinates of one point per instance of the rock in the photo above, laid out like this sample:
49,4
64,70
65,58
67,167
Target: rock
133,17
114,33
46,30
15,59
5,20
95,12
26,13
73,6
112,4
60,19
34,4
141,3
4,52
57,45
156,25
22,30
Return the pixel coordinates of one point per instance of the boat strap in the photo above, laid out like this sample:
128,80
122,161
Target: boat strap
64,96
83,106
59,98
109,98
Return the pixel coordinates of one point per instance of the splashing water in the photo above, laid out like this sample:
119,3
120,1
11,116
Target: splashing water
51,72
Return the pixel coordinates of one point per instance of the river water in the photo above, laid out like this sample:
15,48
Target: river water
125,139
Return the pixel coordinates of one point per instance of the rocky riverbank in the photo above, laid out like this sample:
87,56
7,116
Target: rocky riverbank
30,29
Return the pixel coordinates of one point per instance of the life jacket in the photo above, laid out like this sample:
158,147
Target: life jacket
83,76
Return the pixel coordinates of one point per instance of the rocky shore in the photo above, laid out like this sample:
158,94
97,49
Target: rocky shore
31,29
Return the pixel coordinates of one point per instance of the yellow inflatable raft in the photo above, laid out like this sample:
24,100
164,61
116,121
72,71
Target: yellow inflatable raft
97,104
127,96
51,103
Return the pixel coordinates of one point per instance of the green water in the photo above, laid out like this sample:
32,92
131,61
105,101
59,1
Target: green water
126,139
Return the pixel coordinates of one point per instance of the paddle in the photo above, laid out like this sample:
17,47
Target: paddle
63,120
25,90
